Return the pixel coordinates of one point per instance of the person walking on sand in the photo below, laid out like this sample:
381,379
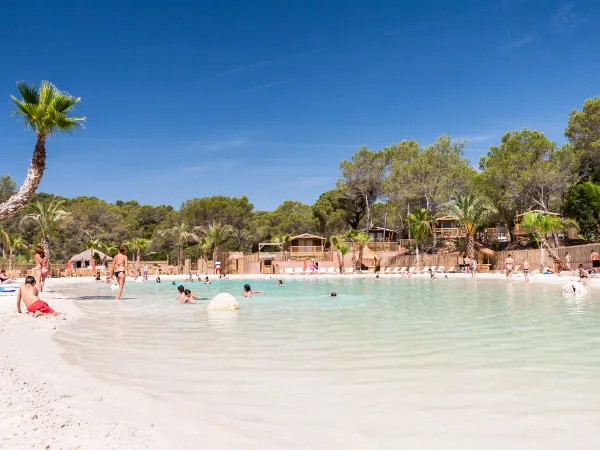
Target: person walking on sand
29,295
595,261
509,264
120,268
526,270
568,260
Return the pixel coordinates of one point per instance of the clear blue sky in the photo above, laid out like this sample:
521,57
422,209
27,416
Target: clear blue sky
265,98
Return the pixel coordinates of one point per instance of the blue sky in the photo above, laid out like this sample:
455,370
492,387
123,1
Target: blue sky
265,98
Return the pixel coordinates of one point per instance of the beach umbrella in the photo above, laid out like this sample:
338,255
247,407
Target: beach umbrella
69,265
304,265
93,266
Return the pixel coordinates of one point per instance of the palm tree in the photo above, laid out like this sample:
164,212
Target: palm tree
45,216
44,110
360,238
339,242
138,245
204,246
283,239
182,235
109,249
419,225
216,235
543,224
11,244
471,212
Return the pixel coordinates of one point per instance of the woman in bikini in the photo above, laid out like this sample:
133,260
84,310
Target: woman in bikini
41,268
120,267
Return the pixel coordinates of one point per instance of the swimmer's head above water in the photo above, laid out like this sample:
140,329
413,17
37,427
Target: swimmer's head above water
181,289
334,294
247,288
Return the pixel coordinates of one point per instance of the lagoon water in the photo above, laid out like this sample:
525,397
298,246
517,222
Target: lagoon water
389,364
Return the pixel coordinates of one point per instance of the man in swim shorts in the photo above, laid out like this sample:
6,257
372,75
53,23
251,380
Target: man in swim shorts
28,294
595,261
526,270
509,265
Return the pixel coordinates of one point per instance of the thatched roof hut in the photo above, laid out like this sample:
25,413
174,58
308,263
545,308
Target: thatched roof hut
86,256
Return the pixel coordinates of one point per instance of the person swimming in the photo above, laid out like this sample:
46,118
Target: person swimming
206,280
334,294
189,297
248,291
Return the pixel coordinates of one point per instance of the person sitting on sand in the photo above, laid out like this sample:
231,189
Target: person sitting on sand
29,295
98,277
189,297
584,277
248,291
108,279
3,277
548,271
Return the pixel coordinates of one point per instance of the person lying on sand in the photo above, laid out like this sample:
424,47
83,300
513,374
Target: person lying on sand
28,294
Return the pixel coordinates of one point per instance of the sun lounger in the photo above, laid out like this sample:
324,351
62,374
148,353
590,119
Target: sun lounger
434,268
388,269
396,270
412,270
402,271
322,270
348,270
298,270
331,270
288,271
440,269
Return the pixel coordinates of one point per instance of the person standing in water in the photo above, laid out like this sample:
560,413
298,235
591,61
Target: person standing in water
248,291
120,268
526,270
509,265
473,267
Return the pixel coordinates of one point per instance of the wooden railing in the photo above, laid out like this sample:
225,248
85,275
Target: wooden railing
307,249
450,233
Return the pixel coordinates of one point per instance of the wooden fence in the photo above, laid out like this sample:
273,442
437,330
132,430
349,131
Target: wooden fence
580,254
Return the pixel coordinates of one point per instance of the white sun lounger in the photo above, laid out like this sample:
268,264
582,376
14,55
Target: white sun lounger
412,270
288,271
396,269
434,268
388,269
322,270
331,270
348,270
298,270
424,270
402,271
440,269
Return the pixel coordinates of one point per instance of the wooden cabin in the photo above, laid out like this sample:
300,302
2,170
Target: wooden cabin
521,233
380,234
307,245
496,234
448,228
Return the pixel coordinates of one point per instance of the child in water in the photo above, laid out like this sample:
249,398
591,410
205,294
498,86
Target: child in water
189,297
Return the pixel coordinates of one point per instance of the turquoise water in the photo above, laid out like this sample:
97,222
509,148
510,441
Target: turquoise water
450,363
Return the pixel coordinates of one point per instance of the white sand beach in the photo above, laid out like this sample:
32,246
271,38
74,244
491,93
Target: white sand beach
50,403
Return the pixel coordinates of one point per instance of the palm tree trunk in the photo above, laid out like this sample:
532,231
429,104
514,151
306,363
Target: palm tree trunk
418,255
46,246
360,255
137,260
19,199
180,258
546,246
471,246
10,260
341,262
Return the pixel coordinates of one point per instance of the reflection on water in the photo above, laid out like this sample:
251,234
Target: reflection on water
385,364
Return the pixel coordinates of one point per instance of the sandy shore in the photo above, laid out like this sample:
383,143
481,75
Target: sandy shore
47,403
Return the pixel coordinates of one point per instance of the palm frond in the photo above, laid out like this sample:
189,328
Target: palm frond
47,92
28,92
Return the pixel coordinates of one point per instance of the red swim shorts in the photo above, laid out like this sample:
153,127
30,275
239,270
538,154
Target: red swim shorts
40,306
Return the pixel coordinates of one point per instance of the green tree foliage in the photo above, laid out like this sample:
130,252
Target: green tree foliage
526,171
542,225
419,225
362,182
7,187
45,217
341,246
583,205
335,213
10,245
216,235
359,240
583,131
472,212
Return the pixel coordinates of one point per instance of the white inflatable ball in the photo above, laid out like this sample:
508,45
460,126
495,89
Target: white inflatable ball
223,302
